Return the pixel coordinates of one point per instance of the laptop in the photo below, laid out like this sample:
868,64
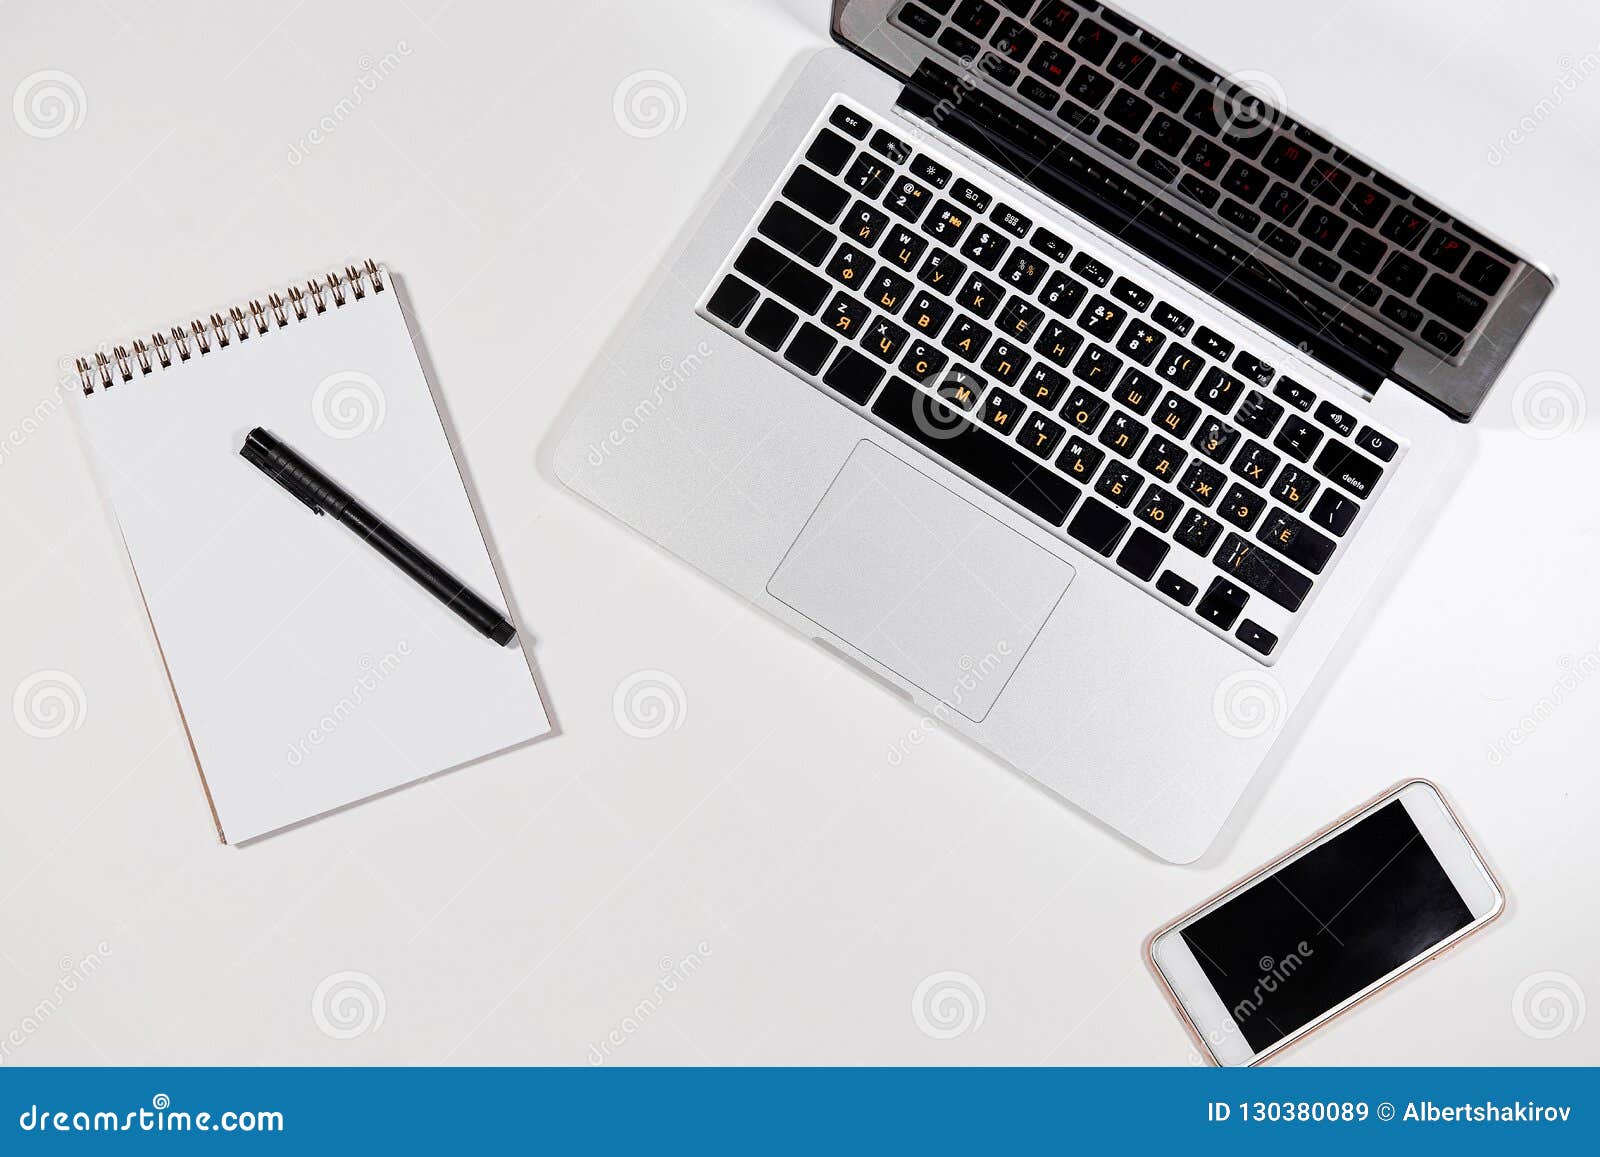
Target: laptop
1071,389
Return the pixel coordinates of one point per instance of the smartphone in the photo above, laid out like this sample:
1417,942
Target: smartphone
1360,904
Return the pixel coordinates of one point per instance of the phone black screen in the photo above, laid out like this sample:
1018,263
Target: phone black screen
1327,925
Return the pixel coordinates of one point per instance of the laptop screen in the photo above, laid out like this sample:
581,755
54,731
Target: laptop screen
1209,175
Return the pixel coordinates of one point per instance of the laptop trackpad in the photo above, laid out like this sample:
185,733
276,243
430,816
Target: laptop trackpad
921,580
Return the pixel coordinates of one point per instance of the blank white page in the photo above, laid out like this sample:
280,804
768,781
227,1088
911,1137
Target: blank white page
309,671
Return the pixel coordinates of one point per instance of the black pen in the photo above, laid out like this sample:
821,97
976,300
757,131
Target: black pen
323,495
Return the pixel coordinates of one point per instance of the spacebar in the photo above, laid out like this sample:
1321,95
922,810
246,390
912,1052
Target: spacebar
932,424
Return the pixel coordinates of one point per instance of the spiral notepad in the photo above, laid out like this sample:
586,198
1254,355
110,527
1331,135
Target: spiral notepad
308,672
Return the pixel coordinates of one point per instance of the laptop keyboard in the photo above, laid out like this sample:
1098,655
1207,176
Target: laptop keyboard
1139,429
1324,213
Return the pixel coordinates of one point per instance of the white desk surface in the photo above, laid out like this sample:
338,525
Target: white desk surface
797,886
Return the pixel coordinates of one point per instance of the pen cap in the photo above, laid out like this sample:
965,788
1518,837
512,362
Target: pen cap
301,479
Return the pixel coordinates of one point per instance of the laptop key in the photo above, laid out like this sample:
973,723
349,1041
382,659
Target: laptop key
1376,444
1043,386
1143,554
854,375
1119,483
816,194
1454,304
1039,435
1137,391
1202,482
1012,221
960,387
1159,508
919,19
1241,506
1002,411
907,199
1062,293
1253,635
1091,269
1258,413
1262,572
864,224
927,313
883,339
810,348
1222,604
796,232
1170,88
1054,19
1162,458
1298,438
1170,318
1176,415
868,176
1441,337
997,463
1355,472
1295,487
1219,390
845,316
976,17
888,290
830,151
1198,532
850,121
1098,526
1123,434
1334,512
794,283
1080,459
1296,541
968,195
1255,463
980,295
984,247
1177,588
1485,274
732,300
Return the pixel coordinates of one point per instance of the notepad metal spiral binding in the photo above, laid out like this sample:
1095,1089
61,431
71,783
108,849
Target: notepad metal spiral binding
201,336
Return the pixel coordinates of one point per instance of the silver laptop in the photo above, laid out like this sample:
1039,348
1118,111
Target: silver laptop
1074,391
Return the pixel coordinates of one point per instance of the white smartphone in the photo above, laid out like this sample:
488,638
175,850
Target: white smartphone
1281,953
